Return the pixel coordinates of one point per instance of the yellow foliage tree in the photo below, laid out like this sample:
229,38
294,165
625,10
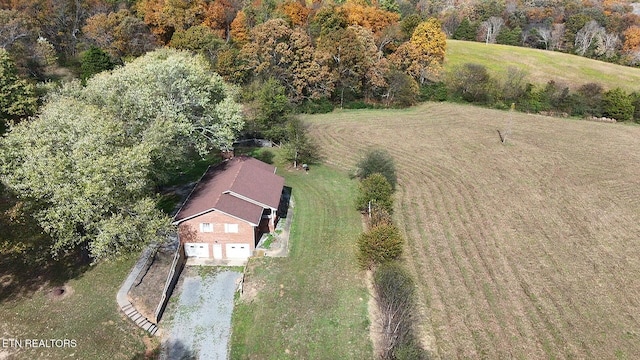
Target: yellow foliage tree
167,16
631,39
295,12
422,56
370,17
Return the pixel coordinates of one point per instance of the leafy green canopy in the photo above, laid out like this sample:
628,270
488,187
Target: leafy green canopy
379,245
88,163
377,161
17,96
375,190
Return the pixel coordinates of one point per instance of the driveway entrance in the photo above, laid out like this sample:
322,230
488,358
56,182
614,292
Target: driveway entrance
198,327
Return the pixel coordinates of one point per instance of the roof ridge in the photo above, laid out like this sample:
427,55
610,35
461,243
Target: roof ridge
235,177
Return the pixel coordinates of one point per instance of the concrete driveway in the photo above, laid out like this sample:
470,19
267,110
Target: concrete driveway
198,327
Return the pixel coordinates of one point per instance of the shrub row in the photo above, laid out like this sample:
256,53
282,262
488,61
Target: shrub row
473,83
379,250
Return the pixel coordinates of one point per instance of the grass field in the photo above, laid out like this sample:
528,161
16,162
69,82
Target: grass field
542,65
313,304
86,312
528,250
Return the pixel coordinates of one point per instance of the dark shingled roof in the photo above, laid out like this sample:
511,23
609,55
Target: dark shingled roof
240,187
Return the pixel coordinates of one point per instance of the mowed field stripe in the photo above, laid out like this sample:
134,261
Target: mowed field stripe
525,250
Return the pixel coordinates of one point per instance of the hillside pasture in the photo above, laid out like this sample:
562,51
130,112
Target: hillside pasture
527,250
542,66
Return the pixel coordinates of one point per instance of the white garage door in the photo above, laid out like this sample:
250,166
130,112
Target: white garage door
196,250
238,251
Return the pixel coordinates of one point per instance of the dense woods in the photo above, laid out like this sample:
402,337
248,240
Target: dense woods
343,53
322,53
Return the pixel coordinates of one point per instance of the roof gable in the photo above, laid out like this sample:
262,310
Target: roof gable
240,187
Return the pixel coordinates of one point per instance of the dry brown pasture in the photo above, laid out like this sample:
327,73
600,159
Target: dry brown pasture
528,250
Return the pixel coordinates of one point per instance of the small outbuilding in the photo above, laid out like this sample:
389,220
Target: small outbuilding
227,212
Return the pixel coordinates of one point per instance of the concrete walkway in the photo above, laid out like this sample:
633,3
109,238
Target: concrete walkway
280,246
194,261
123,300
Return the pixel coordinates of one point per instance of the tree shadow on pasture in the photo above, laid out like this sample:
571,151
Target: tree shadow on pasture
26,264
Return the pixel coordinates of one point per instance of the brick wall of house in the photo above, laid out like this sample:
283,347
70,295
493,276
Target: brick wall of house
190,231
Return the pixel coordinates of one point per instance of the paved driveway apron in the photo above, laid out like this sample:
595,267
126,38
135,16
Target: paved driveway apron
201,326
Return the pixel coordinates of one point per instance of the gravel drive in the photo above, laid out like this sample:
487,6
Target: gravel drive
201,326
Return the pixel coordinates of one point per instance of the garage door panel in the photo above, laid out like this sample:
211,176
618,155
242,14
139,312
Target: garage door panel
238,251
196,250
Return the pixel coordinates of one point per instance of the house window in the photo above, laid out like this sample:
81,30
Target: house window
206,227
231,228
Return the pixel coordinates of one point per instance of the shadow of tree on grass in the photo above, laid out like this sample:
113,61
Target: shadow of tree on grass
26,263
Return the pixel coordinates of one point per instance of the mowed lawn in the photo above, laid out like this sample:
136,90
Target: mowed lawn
313,304
86,312
542,66
528,250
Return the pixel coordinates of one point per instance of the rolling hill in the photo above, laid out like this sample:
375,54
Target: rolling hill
542,65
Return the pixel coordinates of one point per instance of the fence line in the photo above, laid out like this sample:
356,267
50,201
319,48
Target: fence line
177,265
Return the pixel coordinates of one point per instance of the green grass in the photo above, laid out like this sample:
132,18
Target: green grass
193,171
313,304
89,315
542,65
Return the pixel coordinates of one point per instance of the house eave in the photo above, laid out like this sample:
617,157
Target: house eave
210,210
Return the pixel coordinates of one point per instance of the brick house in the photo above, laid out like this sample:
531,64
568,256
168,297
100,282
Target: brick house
232,205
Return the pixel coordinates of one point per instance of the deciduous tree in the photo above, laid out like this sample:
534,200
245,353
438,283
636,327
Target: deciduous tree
200,39
299,148
631,45
120,33
296,13
588,36
13,27
490,28
422,56
375,189
379,245
286,54
87,164
377,161
167,16
370,17
219,15
17,96
239,31
342,53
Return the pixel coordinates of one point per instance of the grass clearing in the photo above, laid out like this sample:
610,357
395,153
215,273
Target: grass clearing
313,304
542,65
86,312
528,250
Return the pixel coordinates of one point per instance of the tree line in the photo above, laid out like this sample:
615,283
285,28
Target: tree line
473,83
318,51
607,30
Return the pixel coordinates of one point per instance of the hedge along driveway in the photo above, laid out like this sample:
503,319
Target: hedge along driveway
313,304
